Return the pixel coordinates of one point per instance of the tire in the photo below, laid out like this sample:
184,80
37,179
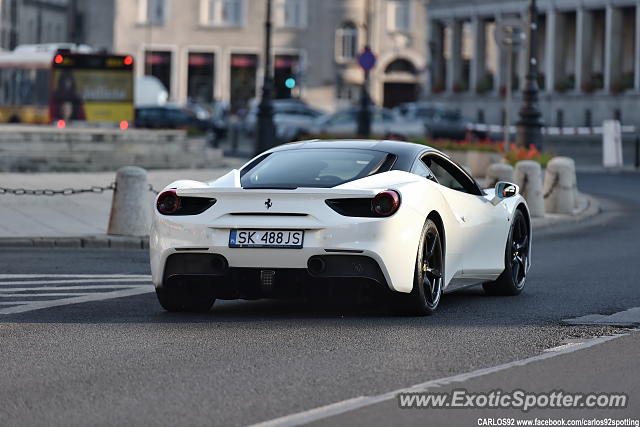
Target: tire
428,277
513,278
194,299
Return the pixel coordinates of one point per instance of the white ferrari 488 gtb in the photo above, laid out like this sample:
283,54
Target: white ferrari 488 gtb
396,215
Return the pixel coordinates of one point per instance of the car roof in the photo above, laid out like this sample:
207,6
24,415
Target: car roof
406,152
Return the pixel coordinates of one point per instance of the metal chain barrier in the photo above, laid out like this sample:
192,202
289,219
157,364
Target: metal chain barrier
65,191
554,185
525,182
556,179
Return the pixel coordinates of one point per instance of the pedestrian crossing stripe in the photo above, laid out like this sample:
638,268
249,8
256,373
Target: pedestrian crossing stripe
17,291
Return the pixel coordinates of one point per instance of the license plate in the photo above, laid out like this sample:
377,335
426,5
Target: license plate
279,239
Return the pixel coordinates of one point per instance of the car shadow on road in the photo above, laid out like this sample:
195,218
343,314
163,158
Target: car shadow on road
464,307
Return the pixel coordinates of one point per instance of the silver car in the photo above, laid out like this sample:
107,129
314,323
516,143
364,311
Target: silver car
290,117
384,124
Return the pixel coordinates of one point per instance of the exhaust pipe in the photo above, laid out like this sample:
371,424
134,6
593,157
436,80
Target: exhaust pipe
219,264
316,266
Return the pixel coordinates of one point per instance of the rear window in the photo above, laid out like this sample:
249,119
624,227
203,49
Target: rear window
320,168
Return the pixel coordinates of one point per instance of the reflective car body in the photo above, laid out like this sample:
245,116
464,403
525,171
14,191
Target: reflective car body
439,121
325,190
384,123
290,117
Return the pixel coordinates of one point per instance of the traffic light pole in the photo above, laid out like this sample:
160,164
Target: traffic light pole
364,114
266,129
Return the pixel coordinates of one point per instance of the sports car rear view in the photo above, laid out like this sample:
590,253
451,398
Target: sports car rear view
398,216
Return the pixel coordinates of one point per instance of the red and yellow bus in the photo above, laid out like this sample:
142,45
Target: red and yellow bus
63,87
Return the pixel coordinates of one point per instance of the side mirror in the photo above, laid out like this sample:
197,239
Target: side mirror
505,190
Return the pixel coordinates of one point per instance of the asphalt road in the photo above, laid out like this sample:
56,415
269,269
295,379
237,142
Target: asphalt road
123,361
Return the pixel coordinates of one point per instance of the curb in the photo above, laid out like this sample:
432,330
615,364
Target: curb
89,242
104,241
590,209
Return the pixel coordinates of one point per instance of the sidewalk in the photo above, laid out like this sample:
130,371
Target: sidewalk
75,215
81,220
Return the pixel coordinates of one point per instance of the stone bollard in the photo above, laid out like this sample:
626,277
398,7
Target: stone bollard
498,172
575,182
560,186
131,206
528,176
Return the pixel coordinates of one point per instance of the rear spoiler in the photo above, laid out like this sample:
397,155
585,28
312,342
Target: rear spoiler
329,193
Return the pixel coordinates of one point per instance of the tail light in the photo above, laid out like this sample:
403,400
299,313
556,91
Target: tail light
61,124
169,203
386,203
124,125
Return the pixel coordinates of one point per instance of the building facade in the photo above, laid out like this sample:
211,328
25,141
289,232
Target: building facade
395,31
204,50
588,59
8,24
33,21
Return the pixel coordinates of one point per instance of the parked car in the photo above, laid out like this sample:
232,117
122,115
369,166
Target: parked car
439,121
291,117
216,113
170,117
384,124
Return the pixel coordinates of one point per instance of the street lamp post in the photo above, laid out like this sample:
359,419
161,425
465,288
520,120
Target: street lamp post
266,128
529,126
364,113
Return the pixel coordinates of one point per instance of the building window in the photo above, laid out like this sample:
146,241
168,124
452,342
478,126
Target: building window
244,68
200,77
346,42
154,11
291,13
158,64
349,92
399,15
223,13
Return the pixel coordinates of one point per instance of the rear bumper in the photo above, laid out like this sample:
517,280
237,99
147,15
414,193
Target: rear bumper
391,243
212,270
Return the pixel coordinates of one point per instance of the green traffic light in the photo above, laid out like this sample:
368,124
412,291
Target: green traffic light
290,83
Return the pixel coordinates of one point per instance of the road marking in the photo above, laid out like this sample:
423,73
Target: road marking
14,302
349,405
563,347
74,276
53,282
45,294
66,289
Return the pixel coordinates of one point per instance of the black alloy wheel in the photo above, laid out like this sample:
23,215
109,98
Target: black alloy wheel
513,278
